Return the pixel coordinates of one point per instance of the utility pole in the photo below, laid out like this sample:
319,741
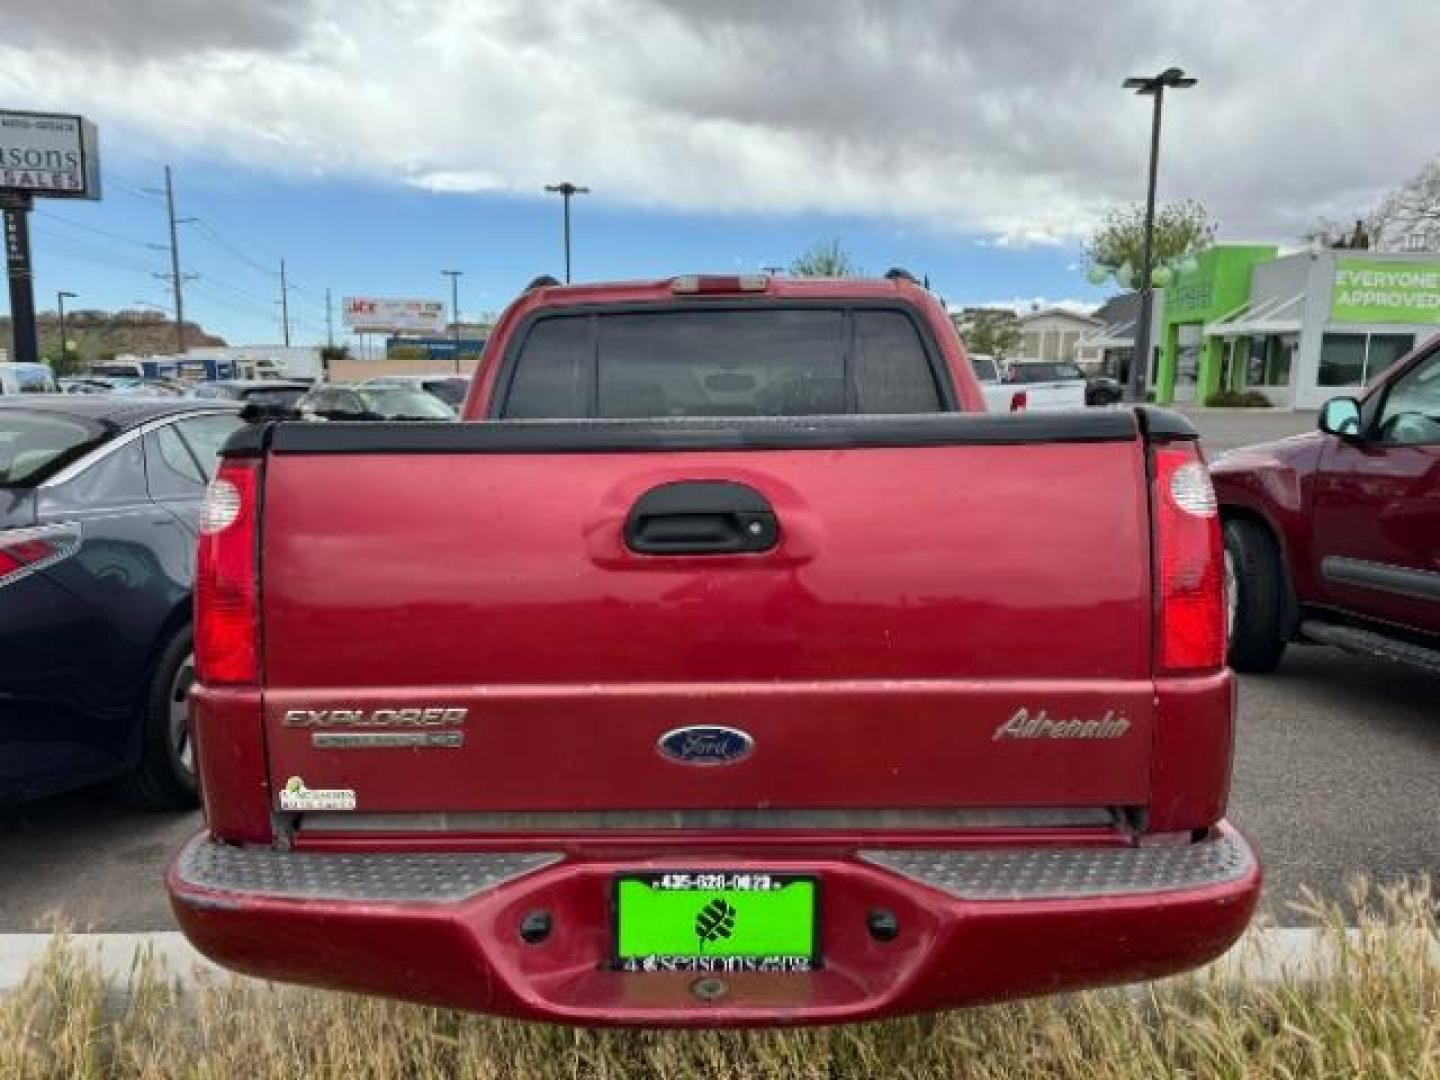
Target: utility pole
60,302
329,321
454,276
567,191
1149,86
175,265
284,305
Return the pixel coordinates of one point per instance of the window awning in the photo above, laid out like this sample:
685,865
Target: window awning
1278,316
1119,335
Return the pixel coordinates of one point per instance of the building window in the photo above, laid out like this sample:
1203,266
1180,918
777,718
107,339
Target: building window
1356,359
1269,361
1385,350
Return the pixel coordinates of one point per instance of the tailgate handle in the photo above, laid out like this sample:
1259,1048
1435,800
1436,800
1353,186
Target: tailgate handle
701,517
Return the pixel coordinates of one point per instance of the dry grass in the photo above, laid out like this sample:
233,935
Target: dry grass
1376,1013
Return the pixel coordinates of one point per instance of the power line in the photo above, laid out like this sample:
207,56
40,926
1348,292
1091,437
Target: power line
49,216
211,235
96,253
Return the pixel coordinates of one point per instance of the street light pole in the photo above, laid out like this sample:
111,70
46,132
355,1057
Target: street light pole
60,298
567,191
1149,86
454,276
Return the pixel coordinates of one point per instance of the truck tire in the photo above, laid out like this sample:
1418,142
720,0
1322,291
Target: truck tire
165,778
1254,588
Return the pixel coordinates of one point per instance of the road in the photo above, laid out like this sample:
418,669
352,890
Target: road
1337,774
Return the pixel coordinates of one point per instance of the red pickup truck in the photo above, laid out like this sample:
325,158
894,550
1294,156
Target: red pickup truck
1334,536
729,667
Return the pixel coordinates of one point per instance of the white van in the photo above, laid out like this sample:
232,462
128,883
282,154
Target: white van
17,378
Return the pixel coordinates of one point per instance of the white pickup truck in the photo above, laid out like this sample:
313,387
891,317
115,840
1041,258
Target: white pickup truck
1000,397
1046,384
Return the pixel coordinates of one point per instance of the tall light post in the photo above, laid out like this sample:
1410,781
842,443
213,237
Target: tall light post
60,298
454,276
1153,86
567,191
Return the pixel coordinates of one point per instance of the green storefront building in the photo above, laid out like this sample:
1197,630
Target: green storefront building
1189,361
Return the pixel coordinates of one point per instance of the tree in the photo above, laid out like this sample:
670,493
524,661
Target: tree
65,361
825,259
992,333
1181,229
1408,219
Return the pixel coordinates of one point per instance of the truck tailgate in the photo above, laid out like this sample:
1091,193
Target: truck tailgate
922,636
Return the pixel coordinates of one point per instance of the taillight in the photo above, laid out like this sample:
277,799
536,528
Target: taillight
24,551
710,284
226,590
1019,400
1189,562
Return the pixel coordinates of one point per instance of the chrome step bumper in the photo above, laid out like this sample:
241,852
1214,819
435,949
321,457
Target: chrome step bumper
1042,873
399,877
1061,873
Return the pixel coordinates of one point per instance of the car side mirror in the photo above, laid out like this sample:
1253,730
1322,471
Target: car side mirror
1341,416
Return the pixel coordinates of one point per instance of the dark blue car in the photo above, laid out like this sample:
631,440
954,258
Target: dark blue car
99,498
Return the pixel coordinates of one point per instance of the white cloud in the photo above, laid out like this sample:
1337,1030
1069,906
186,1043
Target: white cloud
1005,121
1023,304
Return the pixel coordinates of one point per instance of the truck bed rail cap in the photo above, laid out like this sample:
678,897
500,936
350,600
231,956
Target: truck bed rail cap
743,433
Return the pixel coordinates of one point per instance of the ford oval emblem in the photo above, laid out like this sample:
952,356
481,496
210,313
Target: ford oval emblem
705,745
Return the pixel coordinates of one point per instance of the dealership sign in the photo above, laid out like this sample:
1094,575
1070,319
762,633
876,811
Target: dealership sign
1372,291
48,154
378,315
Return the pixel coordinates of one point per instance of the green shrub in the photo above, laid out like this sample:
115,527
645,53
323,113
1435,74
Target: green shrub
1237,399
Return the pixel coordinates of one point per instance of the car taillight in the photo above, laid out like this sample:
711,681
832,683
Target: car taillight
226,589
709,284
24,551
1019,400
1189,562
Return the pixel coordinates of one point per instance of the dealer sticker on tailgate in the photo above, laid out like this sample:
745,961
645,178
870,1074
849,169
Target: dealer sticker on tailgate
716,921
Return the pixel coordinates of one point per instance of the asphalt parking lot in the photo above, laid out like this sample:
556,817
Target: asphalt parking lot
1337,774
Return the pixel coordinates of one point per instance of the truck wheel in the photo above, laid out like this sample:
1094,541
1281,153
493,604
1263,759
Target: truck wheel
165,778
1253,584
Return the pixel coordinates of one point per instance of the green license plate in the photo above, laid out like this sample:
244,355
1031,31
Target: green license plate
716,921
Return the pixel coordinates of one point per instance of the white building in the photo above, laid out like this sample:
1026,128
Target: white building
1055,334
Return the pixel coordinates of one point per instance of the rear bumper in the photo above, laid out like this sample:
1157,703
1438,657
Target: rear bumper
975,925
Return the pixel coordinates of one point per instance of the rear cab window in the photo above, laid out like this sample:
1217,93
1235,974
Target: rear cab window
34,445
697,362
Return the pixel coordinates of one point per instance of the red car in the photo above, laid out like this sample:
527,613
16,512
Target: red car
731,667
1334,536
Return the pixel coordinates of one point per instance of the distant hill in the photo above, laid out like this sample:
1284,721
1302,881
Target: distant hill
103,335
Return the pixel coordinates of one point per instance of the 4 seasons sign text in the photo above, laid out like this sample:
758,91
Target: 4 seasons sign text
55,155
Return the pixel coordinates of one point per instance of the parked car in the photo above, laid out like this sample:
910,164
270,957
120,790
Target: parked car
999,395
22,378
588,708
330,402
81,384
1334,536
99,499
1048,384
451,389
1102,391
264,397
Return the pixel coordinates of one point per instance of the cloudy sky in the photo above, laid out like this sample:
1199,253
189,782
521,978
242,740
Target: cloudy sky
373,144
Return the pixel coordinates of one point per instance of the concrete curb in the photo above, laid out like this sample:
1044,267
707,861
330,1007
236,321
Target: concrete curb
1265,956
